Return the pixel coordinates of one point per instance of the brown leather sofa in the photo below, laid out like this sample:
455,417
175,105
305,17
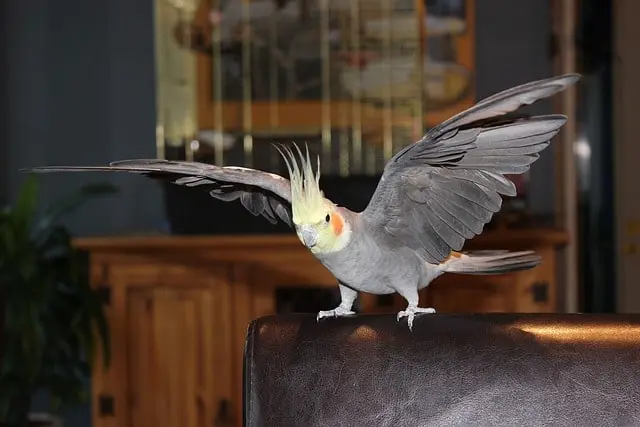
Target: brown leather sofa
452,370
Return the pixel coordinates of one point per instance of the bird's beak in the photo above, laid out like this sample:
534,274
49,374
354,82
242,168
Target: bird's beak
309,237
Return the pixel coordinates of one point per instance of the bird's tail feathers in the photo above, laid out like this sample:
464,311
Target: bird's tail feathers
492,262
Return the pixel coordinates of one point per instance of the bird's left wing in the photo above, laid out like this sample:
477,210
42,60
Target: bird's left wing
261,193
439,192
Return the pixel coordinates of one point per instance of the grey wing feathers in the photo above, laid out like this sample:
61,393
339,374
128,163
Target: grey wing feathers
261,193
441,191
506,101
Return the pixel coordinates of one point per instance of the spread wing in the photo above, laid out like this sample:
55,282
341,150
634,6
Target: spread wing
261,193
439,192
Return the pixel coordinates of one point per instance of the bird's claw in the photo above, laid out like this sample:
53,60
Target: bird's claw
339,311
411,311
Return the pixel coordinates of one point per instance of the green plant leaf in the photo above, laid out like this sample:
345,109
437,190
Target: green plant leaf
25,206
102,327
53,318
55,403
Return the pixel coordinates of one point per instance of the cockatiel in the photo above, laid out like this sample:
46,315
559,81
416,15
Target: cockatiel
433,195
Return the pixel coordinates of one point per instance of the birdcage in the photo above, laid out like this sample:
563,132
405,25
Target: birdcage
354,80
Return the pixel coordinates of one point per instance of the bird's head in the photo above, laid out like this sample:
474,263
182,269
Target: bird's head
319,224
322,229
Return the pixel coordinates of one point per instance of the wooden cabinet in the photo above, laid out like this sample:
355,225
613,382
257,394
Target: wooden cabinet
179,307
176,338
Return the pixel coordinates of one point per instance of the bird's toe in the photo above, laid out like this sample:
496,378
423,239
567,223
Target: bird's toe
411,311
325,313
336,312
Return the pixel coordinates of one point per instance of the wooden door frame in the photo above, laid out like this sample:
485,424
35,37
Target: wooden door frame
564,17
626,66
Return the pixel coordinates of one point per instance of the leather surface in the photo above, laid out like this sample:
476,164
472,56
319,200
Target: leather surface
452,370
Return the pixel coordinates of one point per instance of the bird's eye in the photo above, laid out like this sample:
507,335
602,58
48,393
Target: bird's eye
327,218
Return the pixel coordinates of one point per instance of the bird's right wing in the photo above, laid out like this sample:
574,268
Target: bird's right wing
261,193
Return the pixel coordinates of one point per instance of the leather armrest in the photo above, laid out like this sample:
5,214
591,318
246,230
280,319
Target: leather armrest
452,370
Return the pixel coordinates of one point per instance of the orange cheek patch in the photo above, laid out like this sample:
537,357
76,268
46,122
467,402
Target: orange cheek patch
337,224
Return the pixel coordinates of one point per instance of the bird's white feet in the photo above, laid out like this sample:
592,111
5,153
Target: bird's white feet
411,311
339,311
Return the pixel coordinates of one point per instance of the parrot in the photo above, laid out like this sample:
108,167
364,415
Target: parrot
433,195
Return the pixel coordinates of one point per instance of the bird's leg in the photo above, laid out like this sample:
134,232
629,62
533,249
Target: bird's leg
347,298
412,307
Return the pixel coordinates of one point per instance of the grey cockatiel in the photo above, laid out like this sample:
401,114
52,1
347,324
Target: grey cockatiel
433,195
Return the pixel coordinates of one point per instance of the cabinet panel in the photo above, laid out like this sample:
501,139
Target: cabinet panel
173,348
172,354
468,294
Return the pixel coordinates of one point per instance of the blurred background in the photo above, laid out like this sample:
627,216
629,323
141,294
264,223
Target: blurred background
219,81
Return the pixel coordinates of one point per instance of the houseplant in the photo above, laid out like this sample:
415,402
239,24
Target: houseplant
51,321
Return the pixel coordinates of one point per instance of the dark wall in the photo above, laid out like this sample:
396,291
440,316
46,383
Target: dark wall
512,47
78,88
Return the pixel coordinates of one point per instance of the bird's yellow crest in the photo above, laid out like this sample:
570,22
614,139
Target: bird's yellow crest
308,203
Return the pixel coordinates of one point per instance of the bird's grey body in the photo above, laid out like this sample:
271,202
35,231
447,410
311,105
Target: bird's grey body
372,267
367,264
433,195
